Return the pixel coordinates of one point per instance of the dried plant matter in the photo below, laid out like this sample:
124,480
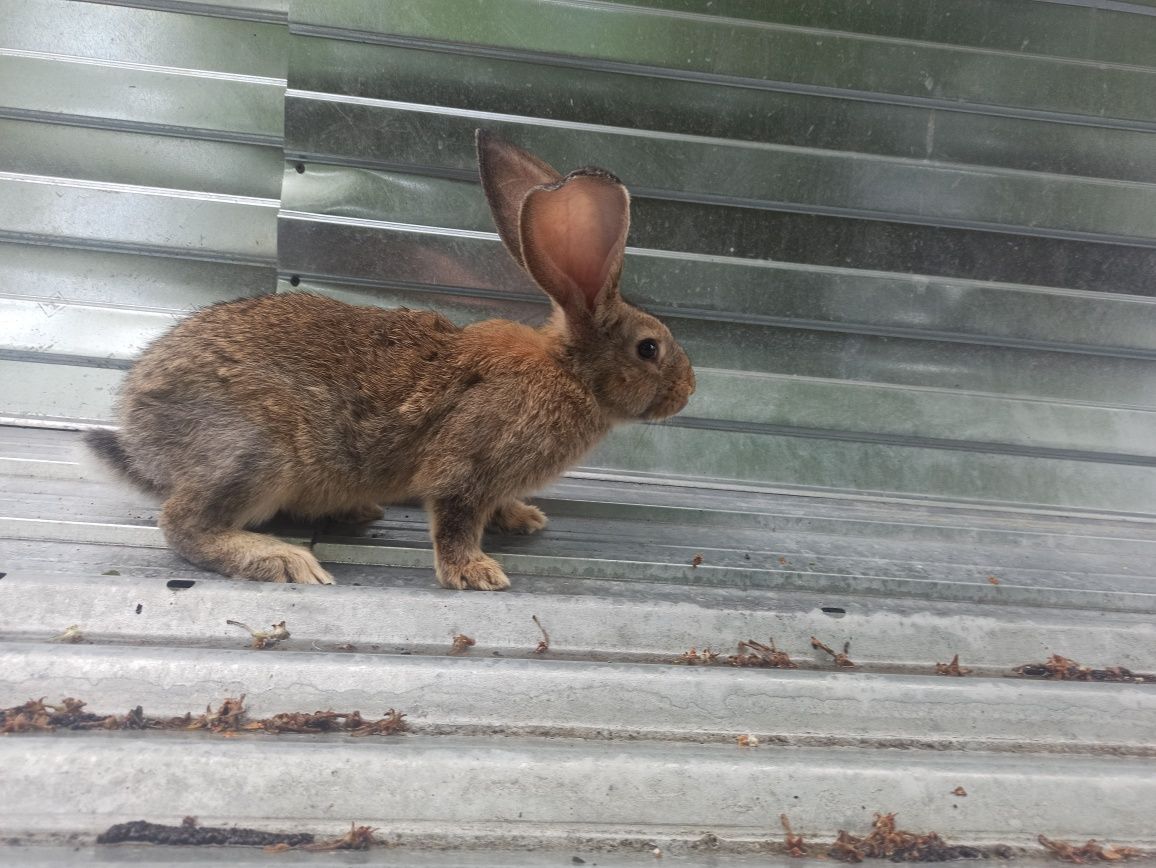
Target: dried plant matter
953,668
1090,851
264,638
795,844
1064,669
38,716
70,636
230,717
747,740
693,657
329,721
357,838
840,658
752,653
885,841
544,642
959,791
189,833
696,562
462,643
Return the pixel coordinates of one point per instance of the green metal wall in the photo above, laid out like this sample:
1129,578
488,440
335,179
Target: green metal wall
909,245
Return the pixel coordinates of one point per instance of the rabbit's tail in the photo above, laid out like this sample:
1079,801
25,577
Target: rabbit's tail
106,445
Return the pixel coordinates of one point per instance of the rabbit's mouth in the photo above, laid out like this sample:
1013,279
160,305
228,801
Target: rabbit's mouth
667,405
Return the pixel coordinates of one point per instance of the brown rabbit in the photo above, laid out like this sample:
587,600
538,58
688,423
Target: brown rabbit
302,404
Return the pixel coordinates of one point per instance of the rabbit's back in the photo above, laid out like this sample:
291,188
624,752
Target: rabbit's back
300,382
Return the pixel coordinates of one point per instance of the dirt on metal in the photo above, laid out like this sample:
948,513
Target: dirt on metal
190,834
230,717
1065,669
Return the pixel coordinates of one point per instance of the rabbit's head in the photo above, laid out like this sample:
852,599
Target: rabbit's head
569,234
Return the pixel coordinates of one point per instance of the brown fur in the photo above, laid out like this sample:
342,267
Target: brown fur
307,405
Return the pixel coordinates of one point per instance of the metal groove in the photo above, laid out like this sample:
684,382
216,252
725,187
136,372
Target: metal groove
157,250
1109,5
131,126
581,63
688,704
675,313
239,11
993,448
114,187
208,74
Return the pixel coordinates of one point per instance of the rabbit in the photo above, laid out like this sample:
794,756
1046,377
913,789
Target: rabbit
302,404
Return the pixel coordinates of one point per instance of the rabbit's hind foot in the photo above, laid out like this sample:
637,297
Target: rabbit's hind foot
514,516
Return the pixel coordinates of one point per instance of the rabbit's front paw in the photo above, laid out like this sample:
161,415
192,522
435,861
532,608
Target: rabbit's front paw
518,517
480,574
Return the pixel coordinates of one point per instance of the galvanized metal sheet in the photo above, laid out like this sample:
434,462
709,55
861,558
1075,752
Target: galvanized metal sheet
133,142
911,256
639,99
673,165
753,51
158,38
483,785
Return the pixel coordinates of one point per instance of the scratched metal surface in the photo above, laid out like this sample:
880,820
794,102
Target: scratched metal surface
910,248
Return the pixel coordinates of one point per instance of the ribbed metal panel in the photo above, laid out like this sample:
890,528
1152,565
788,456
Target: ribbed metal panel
140,171
909,246
908,255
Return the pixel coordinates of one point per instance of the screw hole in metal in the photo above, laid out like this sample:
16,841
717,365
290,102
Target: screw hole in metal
295,280
179,584
300,167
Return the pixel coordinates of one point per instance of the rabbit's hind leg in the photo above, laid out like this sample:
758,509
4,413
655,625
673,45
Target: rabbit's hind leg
205,526
514,516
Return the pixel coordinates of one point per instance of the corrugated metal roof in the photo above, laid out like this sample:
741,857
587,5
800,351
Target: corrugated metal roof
909,248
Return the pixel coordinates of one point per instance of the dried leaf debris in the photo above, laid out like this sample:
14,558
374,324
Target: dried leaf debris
840,657
953,668
796,846
885,841
544,642
693,657
462,643
357,838
1064,669
72,635
752,653
1090,851
696,562
263,638
229,717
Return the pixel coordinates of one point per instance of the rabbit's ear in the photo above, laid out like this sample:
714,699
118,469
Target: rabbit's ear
574,237
508,175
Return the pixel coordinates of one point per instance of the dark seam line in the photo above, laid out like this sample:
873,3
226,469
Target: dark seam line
539,57
977,446
665,312
117,125
73,243
65,360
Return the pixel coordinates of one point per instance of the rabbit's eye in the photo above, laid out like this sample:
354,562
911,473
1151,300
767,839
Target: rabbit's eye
648,349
